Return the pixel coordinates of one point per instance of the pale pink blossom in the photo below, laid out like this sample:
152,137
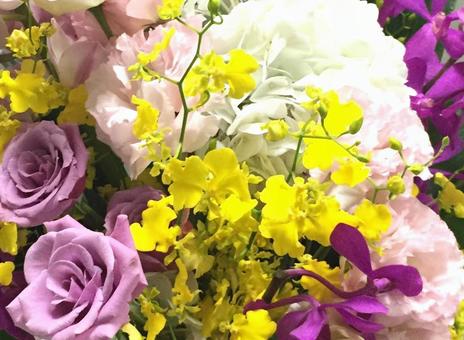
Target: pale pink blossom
111,88
130,16
60,7
77,47
9,5
419,238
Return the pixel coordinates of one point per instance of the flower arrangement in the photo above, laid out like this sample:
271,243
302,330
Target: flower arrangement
242,170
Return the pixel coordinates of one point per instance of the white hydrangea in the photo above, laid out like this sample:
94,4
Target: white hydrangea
331,44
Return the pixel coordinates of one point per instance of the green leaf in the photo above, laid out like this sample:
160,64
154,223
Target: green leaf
456,225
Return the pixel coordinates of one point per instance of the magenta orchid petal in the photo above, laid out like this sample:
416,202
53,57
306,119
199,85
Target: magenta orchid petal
404,278
361,304
302,325
438,6
358,323
348,242
454,43
416,6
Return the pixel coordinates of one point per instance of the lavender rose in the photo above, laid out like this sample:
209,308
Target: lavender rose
131,203
80,282
42,173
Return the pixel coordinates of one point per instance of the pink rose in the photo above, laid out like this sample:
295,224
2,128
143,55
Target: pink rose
77,47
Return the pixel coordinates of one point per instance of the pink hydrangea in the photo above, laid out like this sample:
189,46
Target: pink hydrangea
111,88
419,238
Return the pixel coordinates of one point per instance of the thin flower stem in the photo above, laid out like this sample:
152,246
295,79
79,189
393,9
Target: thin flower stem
297,152
442,71
100,16
171,331
180,85
188,25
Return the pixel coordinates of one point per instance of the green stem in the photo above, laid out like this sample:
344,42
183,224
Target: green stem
180,85
100,16
321,253
171,331
432,81
188,25
297,152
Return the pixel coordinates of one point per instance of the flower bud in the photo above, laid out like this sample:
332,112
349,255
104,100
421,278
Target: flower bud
416,168
213,6
395,185
395,144
276,130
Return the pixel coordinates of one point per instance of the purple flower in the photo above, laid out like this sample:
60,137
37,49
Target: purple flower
358,306
311,323
439,85
130,202
7,294
42,173
80,282
348,242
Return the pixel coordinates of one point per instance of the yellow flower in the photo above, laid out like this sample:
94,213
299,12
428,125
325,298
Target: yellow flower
91,171
8,128
322,152
183,298
457,330
26,43
75,111
373,219
293,212
132,332
395,184
182,291
314,287
188,181
29,90
141,69
227,179
194,254
276,130
341,117
170,9
8,238
324,214
350,172
256,325
6,273
155,233
284,215
155,321
154,325
213,73
450,198
146,122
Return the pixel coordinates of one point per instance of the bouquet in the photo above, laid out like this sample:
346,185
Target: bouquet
244,170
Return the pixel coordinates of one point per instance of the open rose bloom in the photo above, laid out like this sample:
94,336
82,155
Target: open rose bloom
232,169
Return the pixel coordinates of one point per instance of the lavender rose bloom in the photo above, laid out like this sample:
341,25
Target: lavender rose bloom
42,173
131,203
80,282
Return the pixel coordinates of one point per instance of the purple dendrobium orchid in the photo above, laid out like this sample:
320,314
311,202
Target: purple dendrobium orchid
358,306
349,243
437,84
311,323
